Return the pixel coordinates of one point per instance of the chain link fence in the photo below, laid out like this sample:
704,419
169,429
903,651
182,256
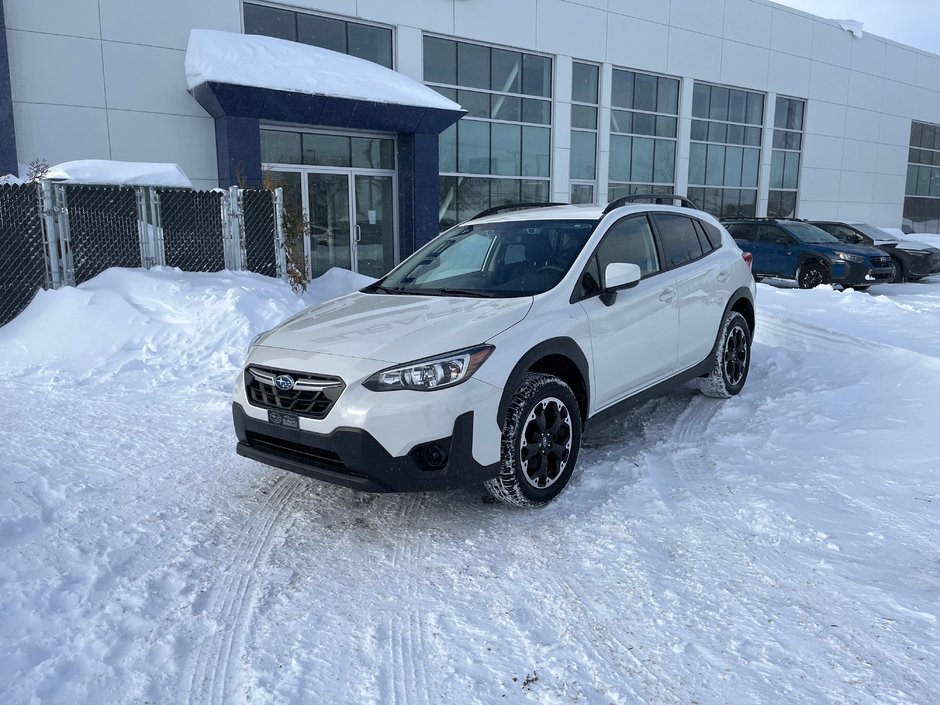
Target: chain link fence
55,235
191,223
22,249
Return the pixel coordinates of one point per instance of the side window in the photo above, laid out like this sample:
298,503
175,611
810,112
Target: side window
679,239
771,235
629,240
743,231
712,233
590,284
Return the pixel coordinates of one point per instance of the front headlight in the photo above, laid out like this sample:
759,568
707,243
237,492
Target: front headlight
850,257
431,373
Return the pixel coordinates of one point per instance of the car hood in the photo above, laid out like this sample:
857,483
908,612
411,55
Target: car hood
396,328
916,245
864,250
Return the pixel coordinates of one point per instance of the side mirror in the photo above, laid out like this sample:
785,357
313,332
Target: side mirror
617,276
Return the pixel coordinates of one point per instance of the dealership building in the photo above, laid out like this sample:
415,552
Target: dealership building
745,106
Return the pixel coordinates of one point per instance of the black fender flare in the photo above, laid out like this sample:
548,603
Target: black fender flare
564,346
741,293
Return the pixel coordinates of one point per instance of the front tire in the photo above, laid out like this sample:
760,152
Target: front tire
898,276
732,359
811,275
540,442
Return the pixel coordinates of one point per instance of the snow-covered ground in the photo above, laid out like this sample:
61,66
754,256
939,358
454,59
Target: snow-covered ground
778,547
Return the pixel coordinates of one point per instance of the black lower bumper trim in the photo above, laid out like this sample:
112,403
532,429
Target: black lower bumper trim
353,458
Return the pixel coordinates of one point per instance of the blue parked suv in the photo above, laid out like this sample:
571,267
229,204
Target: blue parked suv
794,249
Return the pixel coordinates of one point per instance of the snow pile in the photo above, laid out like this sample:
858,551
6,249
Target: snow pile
278,64
10,179
854,27
114,173
776,547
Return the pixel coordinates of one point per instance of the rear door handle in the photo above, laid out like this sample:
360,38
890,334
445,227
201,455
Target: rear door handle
667,295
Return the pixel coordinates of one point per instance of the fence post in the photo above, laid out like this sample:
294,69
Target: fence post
233,229
50,234
143,229
280,241
159,248
61,211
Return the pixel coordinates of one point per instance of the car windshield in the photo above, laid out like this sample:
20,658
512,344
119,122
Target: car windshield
506,259
875,233
810,234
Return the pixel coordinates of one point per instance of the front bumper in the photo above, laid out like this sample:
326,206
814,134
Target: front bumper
353,458
858,274
924,264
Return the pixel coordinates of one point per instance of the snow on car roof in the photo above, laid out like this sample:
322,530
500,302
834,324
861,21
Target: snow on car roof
278,64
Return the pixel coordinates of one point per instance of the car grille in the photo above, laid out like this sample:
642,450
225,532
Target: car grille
884,261
318,457
311,395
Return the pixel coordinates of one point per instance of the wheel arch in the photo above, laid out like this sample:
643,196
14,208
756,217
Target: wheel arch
743,302
561,357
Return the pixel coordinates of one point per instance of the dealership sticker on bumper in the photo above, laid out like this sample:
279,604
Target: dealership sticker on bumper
279,418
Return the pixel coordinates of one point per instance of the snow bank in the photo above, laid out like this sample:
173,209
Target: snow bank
10,179
113,173
163,321
266,62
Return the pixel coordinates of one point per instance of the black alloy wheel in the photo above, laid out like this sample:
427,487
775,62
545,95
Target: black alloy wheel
545,442
735,356
811,275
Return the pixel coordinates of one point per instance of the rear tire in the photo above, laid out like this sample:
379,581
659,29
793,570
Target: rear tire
811,274
732,359
540,442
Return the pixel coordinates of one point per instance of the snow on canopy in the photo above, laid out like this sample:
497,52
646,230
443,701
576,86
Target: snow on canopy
265,62
112,173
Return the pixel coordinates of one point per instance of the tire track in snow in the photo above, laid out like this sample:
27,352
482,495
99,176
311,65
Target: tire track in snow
210,678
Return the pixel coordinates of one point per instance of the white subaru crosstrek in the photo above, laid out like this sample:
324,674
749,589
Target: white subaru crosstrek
481,358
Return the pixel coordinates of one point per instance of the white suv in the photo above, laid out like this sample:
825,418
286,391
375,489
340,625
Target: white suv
481,358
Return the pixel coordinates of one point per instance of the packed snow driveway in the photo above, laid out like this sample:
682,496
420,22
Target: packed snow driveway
777,547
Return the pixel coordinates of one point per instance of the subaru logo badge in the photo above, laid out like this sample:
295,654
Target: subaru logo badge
284,382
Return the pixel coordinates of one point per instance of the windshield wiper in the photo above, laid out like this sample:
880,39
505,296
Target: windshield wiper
379,289
475,293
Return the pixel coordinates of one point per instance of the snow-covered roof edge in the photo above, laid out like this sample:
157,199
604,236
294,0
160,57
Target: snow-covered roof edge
105,172
277,64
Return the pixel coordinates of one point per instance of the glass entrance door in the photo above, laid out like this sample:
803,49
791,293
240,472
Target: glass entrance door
331,243
375,224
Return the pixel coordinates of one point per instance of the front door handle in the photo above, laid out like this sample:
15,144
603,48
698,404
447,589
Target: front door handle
667,296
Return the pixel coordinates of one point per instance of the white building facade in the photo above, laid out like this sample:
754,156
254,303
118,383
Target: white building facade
747,107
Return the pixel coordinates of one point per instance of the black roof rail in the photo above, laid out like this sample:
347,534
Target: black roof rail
512,207
660,198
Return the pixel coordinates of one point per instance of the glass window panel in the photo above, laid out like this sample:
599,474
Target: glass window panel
717,132
718,109
537,111
795,115
755,109
280,147
535,151
535,191
780,113
641,160
447,213
748,207
736,134
473,147
935,182
584,116
664,164
373,152
450,93
737,106
699,130
506,107
475,103
504,191
447,143
644,124
326,150
791,169
665,126
620,155
582,193
537,75
621,121
473,196
583,155
936,138
440,60
711,201
644,92
701,100
714,165
584,83
473,65
917,128
776,169
730,202
734,157
506,151
322,32
697,163
293,195
622,89
370,43
752,136
506,71
780,139
911,188
270,22
667,98
923,181
781,204
749,168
